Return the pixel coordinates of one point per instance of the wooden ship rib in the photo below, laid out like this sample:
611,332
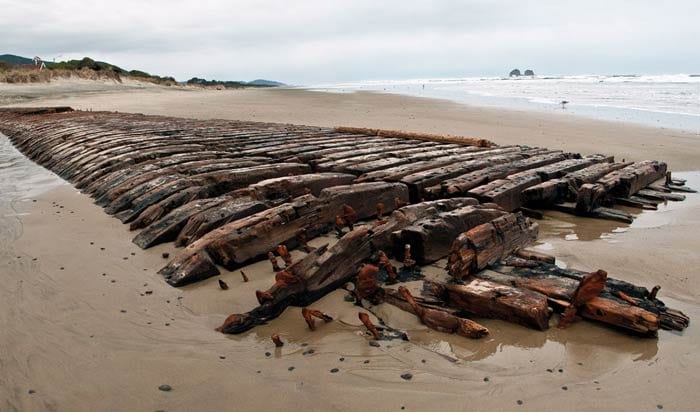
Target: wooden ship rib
233,192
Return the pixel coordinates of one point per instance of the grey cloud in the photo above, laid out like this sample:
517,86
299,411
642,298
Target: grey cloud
318,41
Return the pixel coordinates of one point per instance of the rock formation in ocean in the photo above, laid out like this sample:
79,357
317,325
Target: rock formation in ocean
514,73
529,72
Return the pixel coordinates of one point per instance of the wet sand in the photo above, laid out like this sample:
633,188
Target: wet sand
81,332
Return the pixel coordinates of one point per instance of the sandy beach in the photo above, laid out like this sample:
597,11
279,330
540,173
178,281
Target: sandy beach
88,324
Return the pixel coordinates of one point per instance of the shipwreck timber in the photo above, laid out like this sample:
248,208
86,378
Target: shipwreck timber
233,192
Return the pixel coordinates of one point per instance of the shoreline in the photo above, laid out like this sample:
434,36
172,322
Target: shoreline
66,338
397,112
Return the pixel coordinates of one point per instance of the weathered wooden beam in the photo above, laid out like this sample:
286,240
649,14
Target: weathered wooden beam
435,317
620,183
243,240
431,238
483,298
488,243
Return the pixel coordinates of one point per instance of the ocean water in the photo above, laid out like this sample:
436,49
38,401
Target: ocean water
667,101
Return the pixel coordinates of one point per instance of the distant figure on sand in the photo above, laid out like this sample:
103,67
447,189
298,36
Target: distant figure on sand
564,103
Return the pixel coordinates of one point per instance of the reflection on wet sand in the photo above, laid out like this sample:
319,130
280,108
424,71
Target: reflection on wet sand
569,227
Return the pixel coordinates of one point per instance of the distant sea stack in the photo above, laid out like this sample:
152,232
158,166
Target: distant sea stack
516,73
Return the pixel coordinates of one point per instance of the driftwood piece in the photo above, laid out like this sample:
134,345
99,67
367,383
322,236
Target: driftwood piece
488,243
483,298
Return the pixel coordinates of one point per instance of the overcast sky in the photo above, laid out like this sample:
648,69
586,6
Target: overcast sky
310,42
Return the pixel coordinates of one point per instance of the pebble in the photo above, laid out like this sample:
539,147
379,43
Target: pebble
423,361
486,379
167,324
165,388
334,370
565,388
659,406
407,376
291,368
375,344
268,354
561,370
123,311
549,370
222,357
308,352
367,361
341,359
519,402
166,255
31,391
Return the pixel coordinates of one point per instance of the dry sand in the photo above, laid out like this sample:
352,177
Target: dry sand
80,332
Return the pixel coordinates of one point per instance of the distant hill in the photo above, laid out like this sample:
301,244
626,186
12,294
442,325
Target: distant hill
13,70
263,82
13,60
196,81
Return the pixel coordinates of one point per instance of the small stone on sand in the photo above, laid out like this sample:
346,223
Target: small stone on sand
291,368
334,370
407,376
375,344
165,388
